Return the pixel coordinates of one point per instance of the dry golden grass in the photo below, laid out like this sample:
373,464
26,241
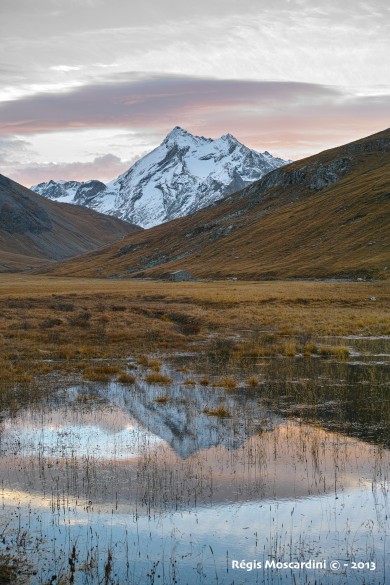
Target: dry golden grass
339,351
147,362
162,399
228,383
100,372
252,381
125,378
58,325
157,378
220,411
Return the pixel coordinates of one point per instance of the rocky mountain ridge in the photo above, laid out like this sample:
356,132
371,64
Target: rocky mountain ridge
182,175
34,230
326,216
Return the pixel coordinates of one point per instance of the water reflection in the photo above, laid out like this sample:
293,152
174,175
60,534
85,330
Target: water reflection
250,455
351,396
167,490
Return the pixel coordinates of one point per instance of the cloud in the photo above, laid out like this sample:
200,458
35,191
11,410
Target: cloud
104,168
258,112
136,101
270,73
14,150
66,68
325,43
131,117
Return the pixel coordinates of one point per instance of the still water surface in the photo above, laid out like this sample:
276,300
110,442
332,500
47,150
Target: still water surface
137,484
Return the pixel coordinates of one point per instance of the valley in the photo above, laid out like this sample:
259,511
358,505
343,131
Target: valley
153,430
194,292
326,216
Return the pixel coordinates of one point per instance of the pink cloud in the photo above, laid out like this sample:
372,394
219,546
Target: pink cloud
103,168
287,118
164,101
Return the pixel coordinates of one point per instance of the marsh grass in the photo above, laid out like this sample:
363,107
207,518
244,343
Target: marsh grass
126,378
61,324
265,346
220,412
227,382
161,481
8,571
156,378
13,571
148,362
338,351
100,372
252,381
162,399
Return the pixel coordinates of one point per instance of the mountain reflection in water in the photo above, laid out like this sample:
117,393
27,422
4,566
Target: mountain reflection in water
112,463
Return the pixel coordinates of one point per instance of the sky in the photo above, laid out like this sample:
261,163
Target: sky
87,87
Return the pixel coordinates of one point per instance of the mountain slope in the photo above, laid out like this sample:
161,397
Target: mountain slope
184,174
33,229
324,216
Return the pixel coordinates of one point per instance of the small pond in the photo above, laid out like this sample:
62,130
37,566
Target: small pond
196,483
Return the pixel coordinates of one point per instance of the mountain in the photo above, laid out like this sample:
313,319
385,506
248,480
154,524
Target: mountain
324,216
34,230
182,175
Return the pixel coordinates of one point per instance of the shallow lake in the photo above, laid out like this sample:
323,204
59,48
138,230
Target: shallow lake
146,484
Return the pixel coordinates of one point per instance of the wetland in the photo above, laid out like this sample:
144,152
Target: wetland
224,436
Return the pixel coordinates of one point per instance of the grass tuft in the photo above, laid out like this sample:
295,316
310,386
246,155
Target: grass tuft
252,382
220,411
156,378
338,351
125,378
228,383
100,373
162,399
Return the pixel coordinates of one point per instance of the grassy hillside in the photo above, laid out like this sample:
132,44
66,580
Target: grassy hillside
34,229
324,216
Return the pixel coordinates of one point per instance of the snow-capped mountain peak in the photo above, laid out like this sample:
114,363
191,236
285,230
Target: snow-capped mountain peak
230,138
182,137
179,177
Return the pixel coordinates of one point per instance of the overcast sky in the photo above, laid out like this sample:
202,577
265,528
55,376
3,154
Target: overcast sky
89,86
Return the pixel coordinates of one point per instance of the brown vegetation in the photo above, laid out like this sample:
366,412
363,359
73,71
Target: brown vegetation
157,378
125,378
220,411
65,326
8,573
35,230
323,216
162,399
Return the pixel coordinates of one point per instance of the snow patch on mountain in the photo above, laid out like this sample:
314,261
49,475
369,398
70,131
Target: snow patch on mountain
182,175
